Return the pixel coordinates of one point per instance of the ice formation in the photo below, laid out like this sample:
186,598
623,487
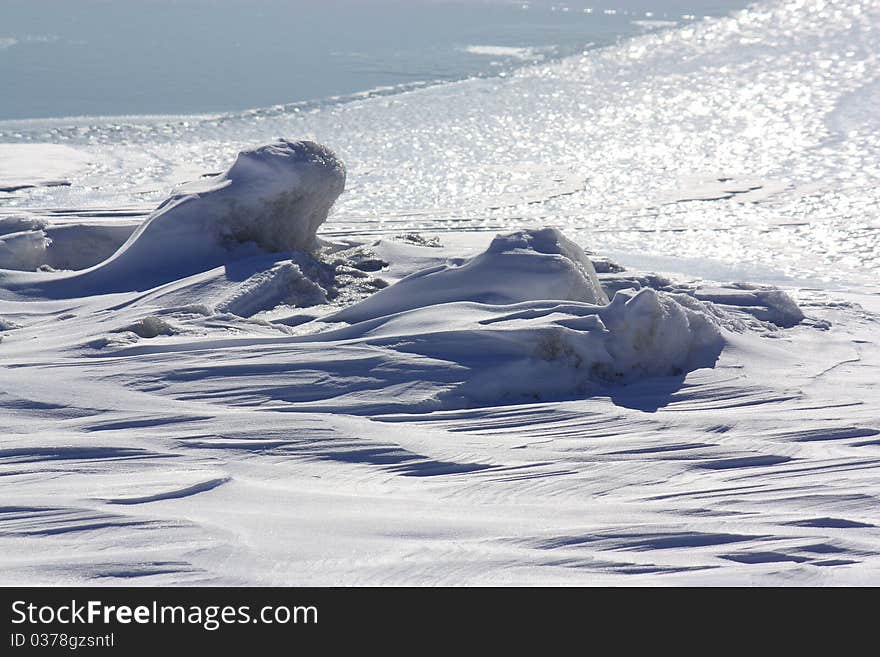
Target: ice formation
520,266
23,250
528,319
273,198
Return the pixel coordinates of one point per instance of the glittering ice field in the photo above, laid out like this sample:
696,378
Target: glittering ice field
664,370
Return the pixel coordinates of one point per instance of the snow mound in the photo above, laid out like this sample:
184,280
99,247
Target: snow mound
276,196
520,266
80,246
763,303
29,243
151,326
652,333
545,350
273,198
527,320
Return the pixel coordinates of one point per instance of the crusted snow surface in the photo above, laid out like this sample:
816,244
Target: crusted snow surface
28,166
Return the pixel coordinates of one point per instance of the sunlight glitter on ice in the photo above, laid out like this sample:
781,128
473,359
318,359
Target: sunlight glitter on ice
594,144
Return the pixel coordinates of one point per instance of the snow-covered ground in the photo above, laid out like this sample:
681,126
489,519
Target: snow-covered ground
664,370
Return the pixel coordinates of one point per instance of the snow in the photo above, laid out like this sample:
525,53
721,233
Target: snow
21,223
36,165
456,441
767,304
521,266
285,283
28,242
528,319
273,198
23,250
511,356
151,327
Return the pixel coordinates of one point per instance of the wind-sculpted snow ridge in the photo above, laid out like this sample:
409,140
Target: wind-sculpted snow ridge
272,199
24,250
528,319
521,266
29,243
506,424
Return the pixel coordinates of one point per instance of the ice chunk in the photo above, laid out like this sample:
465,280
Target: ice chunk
651,333
151,326
23,250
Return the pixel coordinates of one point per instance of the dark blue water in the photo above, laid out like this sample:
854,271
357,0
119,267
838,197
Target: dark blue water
111,57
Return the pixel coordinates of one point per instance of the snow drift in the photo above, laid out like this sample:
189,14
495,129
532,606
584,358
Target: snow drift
539,350
28,243
273,198
527,319
520,266
524,320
